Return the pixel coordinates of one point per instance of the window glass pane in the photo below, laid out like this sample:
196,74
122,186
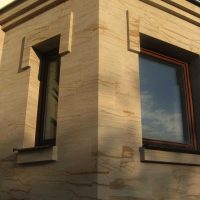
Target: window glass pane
50,115
163,100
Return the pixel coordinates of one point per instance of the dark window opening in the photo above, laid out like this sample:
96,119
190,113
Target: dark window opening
48,98
195,2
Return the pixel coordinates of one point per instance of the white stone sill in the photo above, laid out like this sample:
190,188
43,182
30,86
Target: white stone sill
167,157
36,154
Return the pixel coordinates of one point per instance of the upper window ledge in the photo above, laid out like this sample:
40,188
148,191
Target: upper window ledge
189,6
18,12
181,9
159,156
36,154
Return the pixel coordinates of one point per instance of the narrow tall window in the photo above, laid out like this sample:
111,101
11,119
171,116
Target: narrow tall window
166,105
48,99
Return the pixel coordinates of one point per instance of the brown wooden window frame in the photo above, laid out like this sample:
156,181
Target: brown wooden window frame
45,58
174,146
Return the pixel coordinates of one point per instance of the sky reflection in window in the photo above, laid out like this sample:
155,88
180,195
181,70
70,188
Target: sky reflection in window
163,100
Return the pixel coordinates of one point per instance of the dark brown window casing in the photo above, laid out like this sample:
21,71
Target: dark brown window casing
191,146
48,98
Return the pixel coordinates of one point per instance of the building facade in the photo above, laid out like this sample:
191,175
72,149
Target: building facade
75,123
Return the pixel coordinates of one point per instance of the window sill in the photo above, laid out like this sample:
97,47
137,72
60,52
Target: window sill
159,156
36,154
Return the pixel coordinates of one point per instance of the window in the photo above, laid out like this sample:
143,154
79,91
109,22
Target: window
196,2
166,102
48,98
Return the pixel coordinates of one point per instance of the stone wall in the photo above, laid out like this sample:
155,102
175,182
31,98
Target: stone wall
99,112
124,176
73,175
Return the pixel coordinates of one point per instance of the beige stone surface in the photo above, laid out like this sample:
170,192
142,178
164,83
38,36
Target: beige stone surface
158,156
133,28
167,6
99,111
73,176
168,28
37,155
186,6
25,11
2,34
119,136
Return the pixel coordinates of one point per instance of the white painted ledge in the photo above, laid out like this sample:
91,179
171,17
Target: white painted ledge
159,156
32,155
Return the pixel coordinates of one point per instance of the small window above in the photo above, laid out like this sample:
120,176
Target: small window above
196,2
